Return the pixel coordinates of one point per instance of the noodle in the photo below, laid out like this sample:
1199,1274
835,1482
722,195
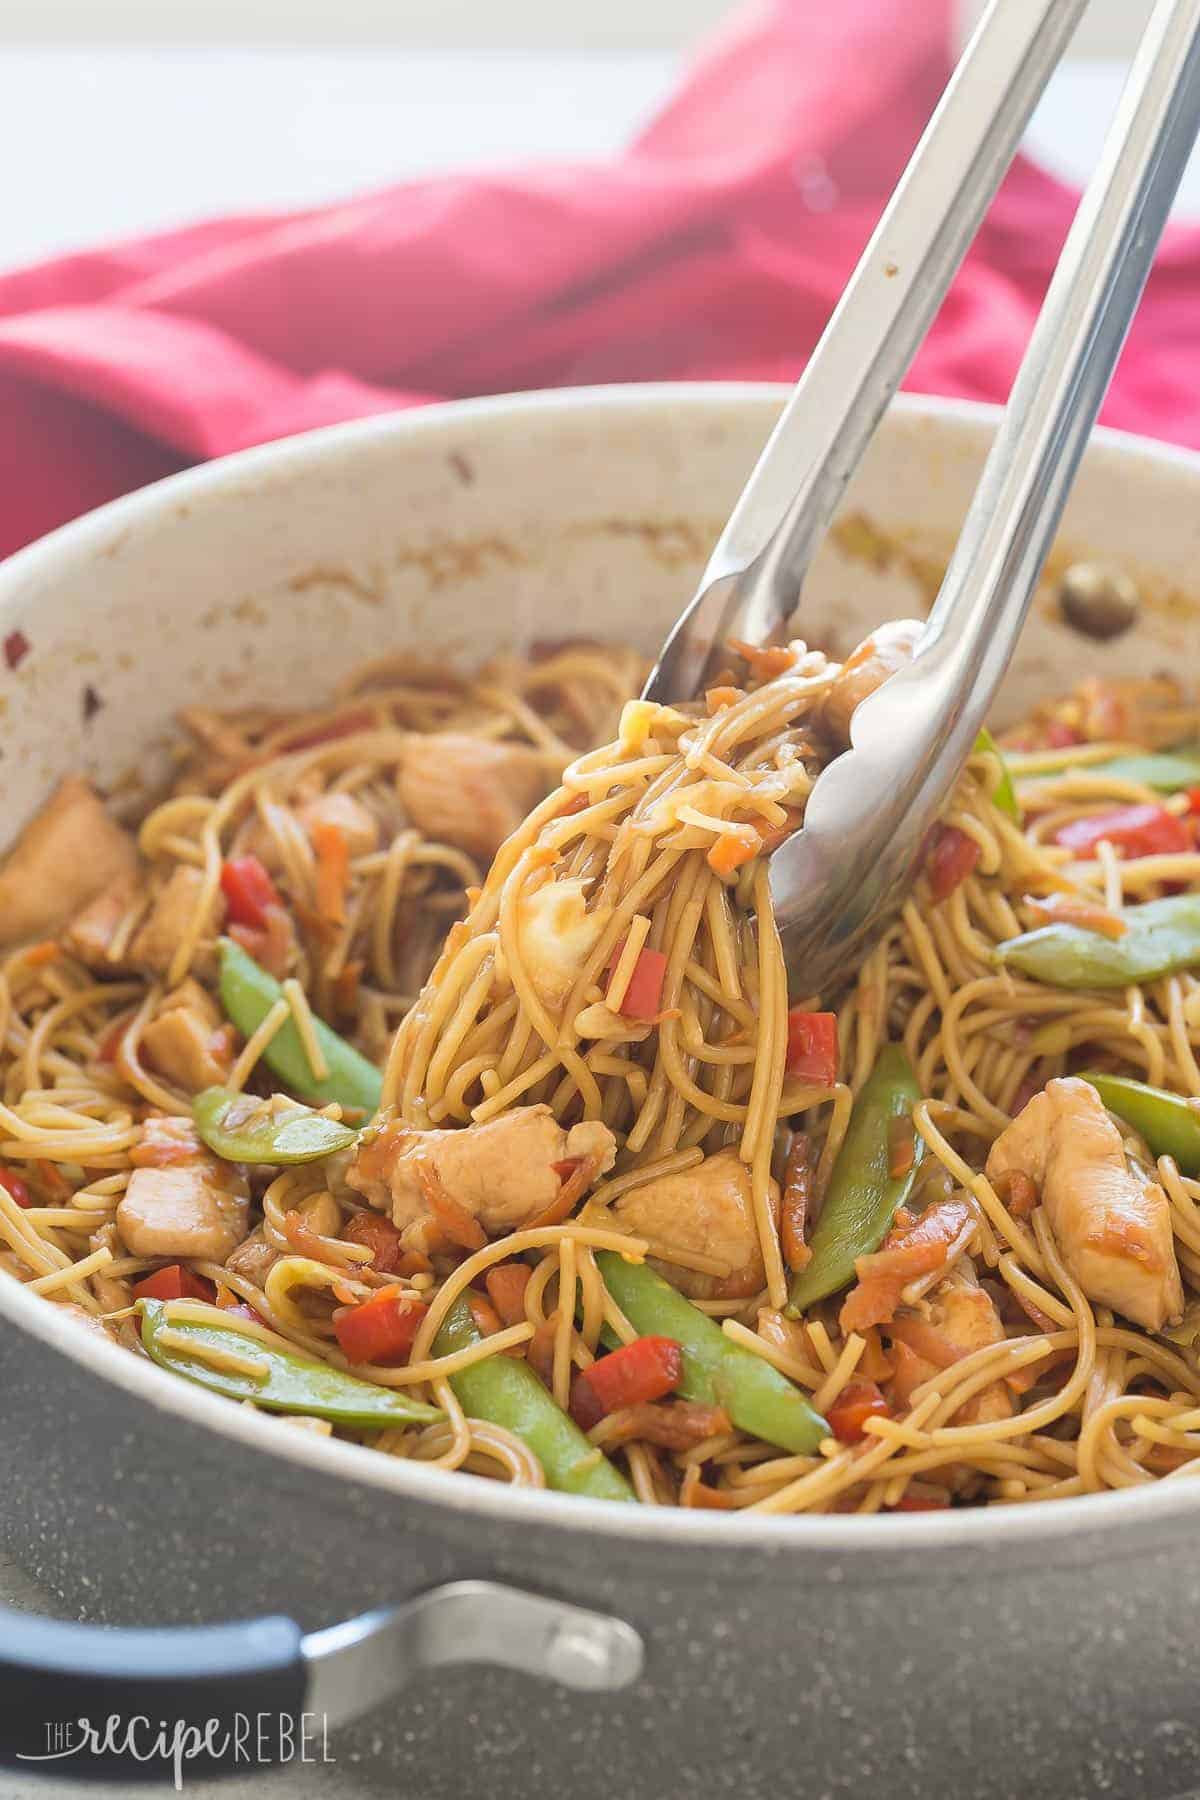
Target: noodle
617,971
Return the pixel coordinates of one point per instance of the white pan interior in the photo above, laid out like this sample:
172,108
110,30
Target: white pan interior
474,528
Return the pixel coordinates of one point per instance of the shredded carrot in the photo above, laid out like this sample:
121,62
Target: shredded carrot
333,872
718,698
774,835
1073,909
455,1222
874,1364
573,1189
797,1195
764,660
38,955
732,849
925,1340
902,1147
1019,1193
302,1237
914,1250
695,1492
345,987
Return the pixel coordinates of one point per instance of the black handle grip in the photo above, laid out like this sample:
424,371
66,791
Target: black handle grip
97,1703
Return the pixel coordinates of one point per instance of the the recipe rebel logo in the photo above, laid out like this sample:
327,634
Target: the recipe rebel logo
246,1740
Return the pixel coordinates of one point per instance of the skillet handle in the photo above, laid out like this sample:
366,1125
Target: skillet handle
92,1702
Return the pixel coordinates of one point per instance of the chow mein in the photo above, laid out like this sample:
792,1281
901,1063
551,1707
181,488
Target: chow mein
416,1072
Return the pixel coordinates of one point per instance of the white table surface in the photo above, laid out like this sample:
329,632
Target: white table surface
100,143
97,143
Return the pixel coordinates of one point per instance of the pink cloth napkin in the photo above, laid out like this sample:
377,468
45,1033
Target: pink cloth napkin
714,246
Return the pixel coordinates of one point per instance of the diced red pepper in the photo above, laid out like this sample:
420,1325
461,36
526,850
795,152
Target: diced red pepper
174,1283
1193,800
378,1234
17,1188
382,1329
857,1402
248,891
644,992
920,1503
952,856
1060,736
645,1370
1138,830
812,1052
506,1284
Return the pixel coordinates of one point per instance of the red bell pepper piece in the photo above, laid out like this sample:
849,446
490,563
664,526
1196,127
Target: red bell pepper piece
645,1370
1138,830
248,891
17,1188
174,1283
382,1329
644,992
857,1402
506,1284
952,856
377,1233
812,1051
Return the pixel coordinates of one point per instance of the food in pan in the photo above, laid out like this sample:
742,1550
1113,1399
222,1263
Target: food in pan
417,1072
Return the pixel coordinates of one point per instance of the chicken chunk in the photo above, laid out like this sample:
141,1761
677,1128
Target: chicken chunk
188,1041
707,1211
181,1200
469,791
887,649
558,934
1112,1224
92,933
157,938
65,856
501,1173
254,1258
963,1316
357,824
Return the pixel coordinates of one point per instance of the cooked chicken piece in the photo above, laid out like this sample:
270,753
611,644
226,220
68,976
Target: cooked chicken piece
254,1258
887,649
66,854
501,1173
357,824
558,934
92,933
181,1200
963,1316
1112,1224
157,938
707,1211
188,1041
469,791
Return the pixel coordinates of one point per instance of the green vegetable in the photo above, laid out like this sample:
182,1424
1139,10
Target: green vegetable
506,1392
1162,936
244,1129
248,993
1005,794
1169,1123
291,1383
716,1371
863,1197
1167,771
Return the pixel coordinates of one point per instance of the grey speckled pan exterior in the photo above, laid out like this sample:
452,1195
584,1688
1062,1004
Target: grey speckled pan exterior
1008,1655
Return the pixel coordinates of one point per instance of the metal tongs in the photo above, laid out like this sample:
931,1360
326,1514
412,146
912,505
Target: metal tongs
837,881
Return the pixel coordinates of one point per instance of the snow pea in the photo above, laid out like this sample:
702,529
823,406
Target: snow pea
1170,1123
290,1383
1161,936
505,1391
1167,770
248,993
716,1371
1005,794
863,1197
241,1128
